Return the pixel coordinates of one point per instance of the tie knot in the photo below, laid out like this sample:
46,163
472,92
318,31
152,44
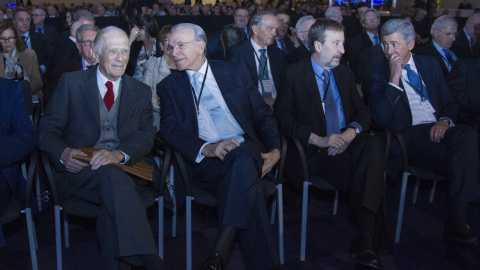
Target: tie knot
262,51
407,67
109,85
326,75
91,66
196,76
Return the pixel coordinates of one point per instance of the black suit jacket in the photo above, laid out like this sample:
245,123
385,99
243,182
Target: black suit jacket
45,53
298,107
464,82
461,46
244,53
135,51
389,105
50,33
66,48
430,49
298,54
74,64
355,46
367,59
179,126
73,117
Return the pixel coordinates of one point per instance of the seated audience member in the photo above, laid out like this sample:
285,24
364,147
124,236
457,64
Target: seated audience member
68,20
444,30
111,10
353,25
464,82
302,51
231,35
18,62
464,5
283,40
144,44
17,139
49,32
85,38
408,93
366,60
100,11
34,41
67,47
334,13
421,27
52,12
370,20
318,103
103,108
8,13
263,62
464,44
156,69
228,150
241,17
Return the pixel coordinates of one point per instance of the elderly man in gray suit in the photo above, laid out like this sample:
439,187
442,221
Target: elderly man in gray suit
103,108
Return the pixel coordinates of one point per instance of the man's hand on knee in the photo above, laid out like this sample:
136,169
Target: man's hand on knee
72,165
104,157
220,149
269,160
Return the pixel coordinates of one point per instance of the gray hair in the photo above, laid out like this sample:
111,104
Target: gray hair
399,26
301,22
198,31
83,28
331,12
99,40
318,29
363,15
442,22
257,20
42,11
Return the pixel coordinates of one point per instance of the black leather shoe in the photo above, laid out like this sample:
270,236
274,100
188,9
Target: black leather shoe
362,252
466,256
213,262
460,235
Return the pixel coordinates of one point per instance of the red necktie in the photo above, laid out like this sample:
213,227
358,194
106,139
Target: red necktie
90,66
109,97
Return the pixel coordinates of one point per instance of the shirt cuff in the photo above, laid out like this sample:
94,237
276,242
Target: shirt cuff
43,69
199,155
127,157
357,124
73,39
395,86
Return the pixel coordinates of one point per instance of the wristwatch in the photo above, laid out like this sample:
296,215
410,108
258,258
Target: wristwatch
357,129
446,120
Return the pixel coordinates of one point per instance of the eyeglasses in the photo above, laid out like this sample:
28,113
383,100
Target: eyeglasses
370,19
87,42
9,39
179,46
113,52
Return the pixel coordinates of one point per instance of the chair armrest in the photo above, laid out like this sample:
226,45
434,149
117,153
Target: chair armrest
30,177
51,181
301,153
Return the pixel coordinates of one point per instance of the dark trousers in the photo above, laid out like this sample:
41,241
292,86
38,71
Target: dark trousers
456,157
122,225
359,170
242,199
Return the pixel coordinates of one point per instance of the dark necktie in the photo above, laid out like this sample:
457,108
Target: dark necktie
376,39
40,30
24,39
91,66
245,33
331,115
448,55
109,97
282,44
263,72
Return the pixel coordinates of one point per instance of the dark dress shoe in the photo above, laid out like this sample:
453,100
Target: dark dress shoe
460,234
213,262
466,256
362,252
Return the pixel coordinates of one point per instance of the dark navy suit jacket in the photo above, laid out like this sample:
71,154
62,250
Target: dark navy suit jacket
244,53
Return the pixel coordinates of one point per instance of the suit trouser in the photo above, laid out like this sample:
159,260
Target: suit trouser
242,200
358,170
122,225
456,157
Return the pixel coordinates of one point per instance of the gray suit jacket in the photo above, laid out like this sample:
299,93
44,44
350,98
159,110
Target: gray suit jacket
72,118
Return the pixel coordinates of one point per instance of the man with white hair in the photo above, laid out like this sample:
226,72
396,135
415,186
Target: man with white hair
302,51
334,13
213,114
444,32
105,109
466,41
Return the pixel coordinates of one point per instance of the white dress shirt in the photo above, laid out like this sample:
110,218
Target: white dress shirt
257,48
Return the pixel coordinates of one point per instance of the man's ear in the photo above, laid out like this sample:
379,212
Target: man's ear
318,46
411,45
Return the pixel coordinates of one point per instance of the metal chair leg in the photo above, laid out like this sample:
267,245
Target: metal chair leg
32,238
189,231
303,237
58,237
171,176
65,230
401,207
160,226
415,190
280,223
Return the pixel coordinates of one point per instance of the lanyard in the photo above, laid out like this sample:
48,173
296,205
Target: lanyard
260,63
326,88
197,101
420,92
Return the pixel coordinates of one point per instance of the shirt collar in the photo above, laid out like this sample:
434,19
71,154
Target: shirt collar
256,47
102,79
202,70
412,63
316,67
469,38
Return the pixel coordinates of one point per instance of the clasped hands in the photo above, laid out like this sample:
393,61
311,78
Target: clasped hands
336,143
221,149
99,158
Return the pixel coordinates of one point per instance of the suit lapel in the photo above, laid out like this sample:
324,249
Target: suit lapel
275,63
127,100
250,56
311,87
90,91
403,94
183,90
429,80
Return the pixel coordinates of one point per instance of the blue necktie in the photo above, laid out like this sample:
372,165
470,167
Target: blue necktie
448,55
245,33
331,115
263,72
376,39
282,45
224,126
415,81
